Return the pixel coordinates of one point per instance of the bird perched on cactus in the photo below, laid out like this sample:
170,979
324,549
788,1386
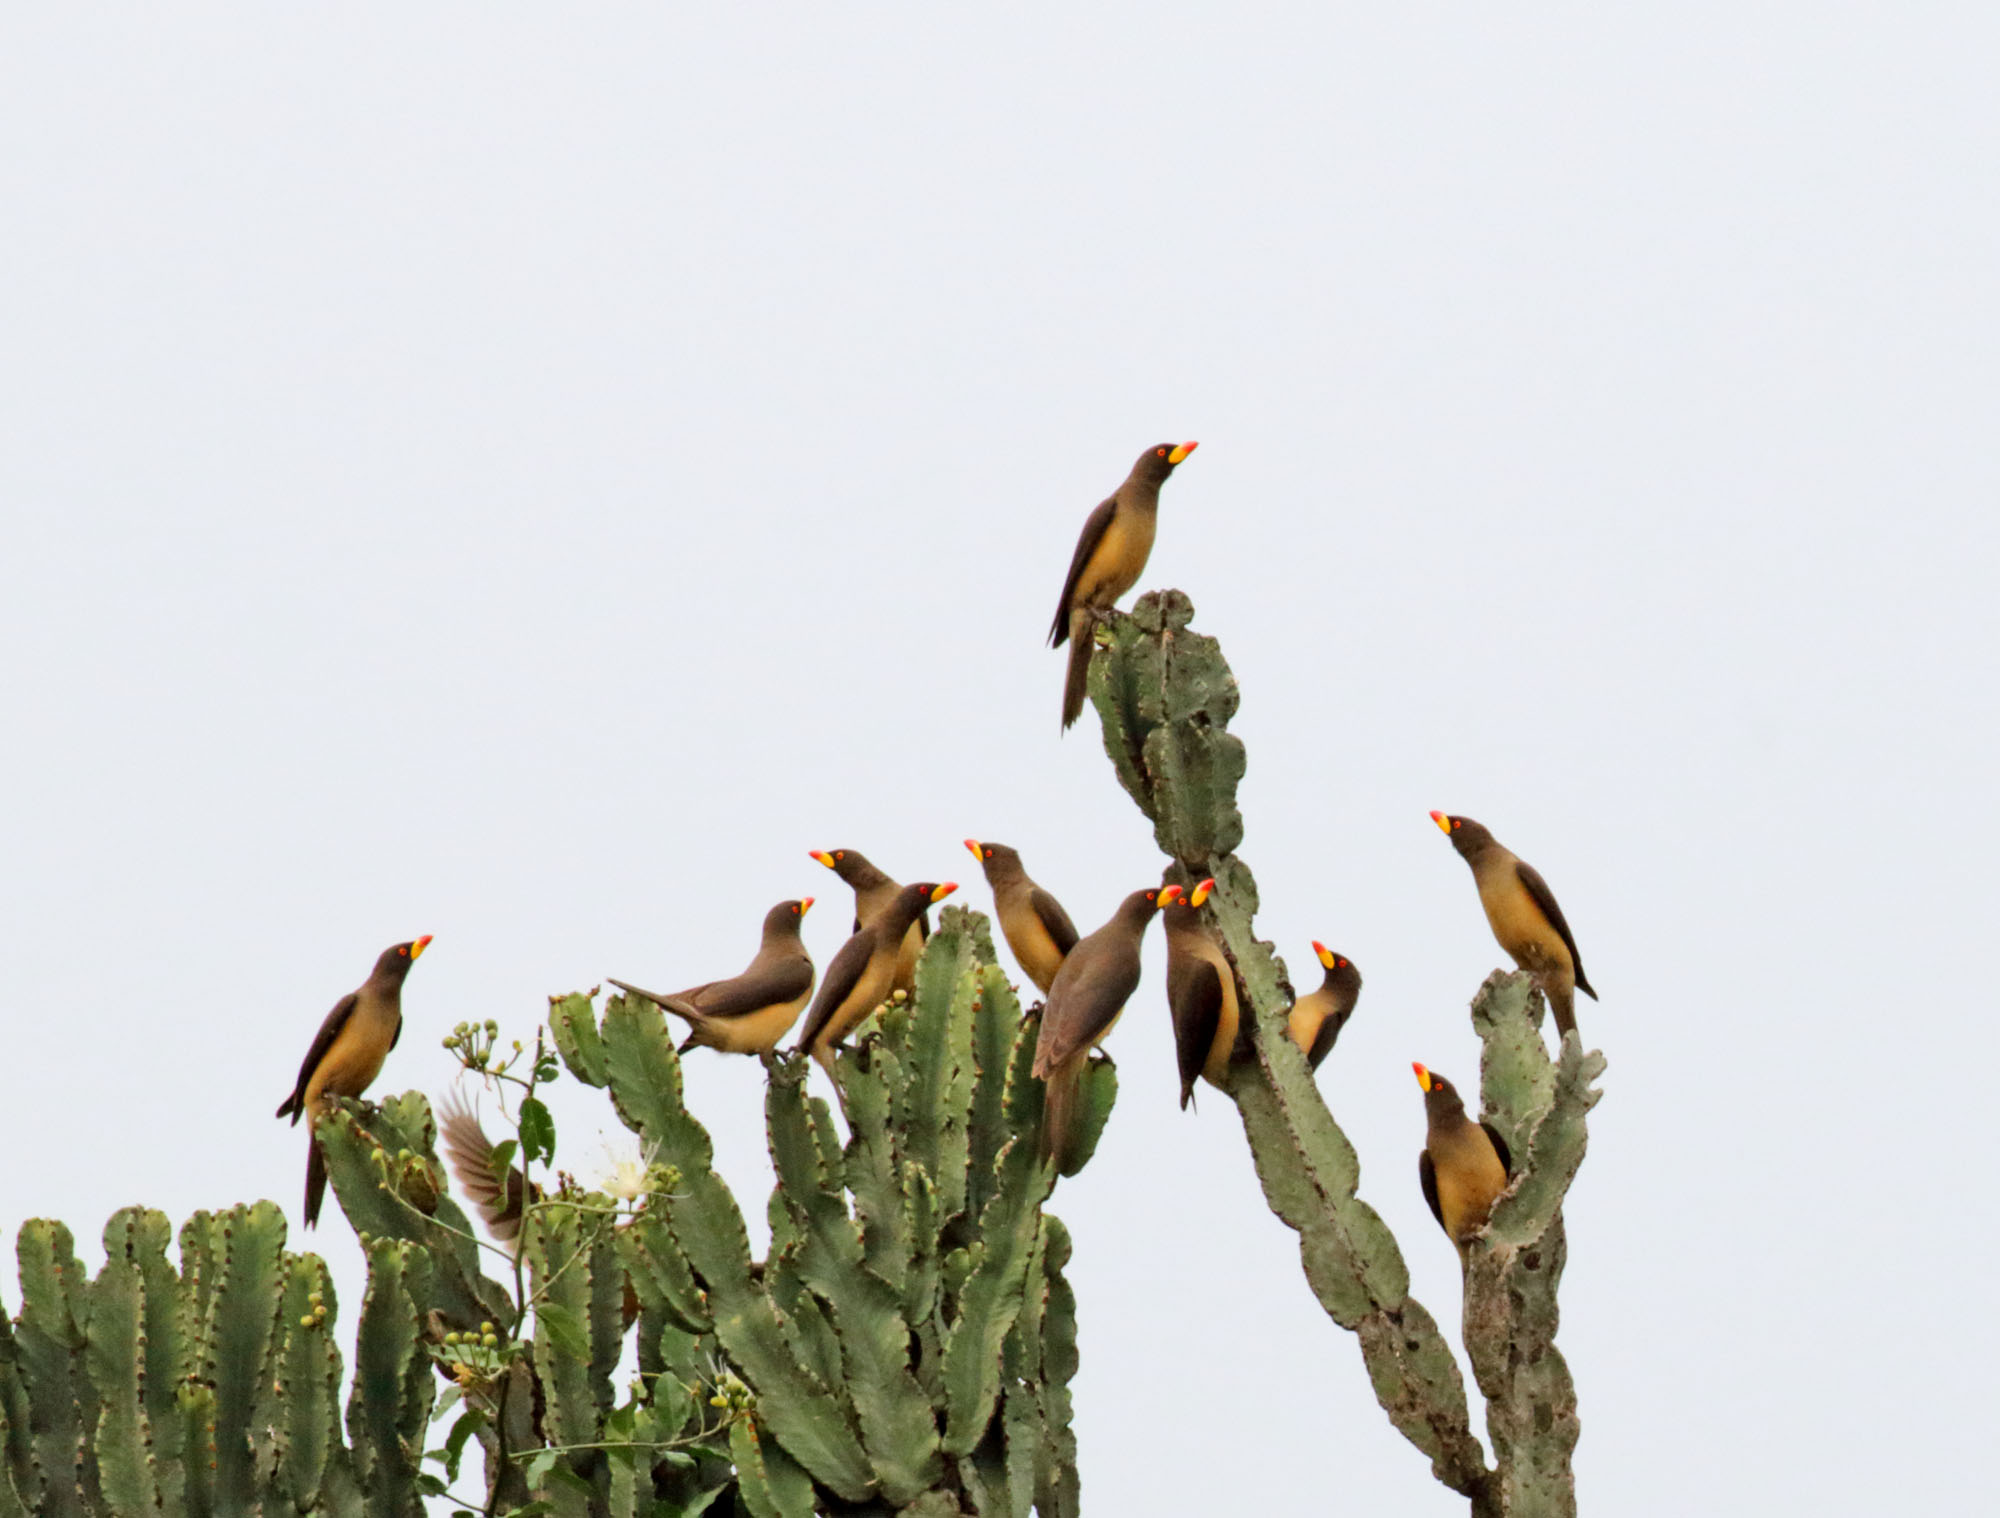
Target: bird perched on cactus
1201,993
1089,991
1317,1017
873,891
749,1013
1522,911
1464,1165
864,970
1034,923
347,1054
1110,556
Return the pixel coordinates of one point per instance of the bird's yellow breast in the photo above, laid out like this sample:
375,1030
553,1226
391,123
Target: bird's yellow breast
1120,558
1033,949
354,1059
1520,926
866,996
1469,1176
753,1032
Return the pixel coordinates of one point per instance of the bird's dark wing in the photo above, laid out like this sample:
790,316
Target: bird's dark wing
1500,1148
1543,897
842,976
1427,1174
1329,1030
1094,527
1084,1002
679,1002
1194,992
760,986
322,1041
1060,929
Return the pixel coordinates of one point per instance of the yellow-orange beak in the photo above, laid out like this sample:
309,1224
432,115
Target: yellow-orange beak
1182,452
420,945
1443,822
805,906
973,844
1168,896
1325,954
1201,892
1423,1075
822,856
944,890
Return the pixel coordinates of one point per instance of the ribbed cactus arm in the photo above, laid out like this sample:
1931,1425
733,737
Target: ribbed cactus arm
1165,696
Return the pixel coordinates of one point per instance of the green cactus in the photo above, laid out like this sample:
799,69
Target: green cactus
884,1343
204,1390
1165,696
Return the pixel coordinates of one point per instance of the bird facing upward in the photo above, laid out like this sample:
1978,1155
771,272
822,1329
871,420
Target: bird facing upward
873,891
1096,979
861,973
1522,911
1110,556
347,1054
1464,1165
1318,1016
750,1013
1033,922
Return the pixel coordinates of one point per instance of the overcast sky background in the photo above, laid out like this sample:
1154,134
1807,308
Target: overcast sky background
529,478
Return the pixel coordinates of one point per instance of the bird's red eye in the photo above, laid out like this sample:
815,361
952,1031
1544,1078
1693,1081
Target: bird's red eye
842,853
402,948
1159,453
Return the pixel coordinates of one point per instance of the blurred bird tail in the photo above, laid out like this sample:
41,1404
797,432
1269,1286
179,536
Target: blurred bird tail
1078,680
1584,986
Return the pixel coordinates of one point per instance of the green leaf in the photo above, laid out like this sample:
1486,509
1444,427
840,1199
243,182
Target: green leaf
538,1131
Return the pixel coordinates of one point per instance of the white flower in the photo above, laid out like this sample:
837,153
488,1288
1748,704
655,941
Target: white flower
628,1174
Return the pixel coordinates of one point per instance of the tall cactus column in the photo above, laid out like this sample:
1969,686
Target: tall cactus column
1166,695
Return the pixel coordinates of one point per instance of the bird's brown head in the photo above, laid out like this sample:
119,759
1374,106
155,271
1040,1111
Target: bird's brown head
783,920
851,865
1140,906
1160,460
1341,977
1441,1098
996,859
394,962
1468,837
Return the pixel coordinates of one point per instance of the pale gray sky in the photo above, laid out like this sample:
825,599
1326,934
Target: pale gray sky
529,477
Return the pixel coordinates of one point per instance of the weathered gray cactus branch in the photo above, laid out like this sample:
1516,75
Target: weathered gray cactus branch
1166,695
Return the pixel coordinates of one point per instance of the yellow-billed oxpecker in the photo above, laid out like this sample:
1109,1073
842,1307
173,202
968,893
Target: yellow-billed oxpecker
1201,992
749,1014
1090,989
1110,556
872,892
863,972
1464,1165
1036,927
1522,911
1318,1016
347,1054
